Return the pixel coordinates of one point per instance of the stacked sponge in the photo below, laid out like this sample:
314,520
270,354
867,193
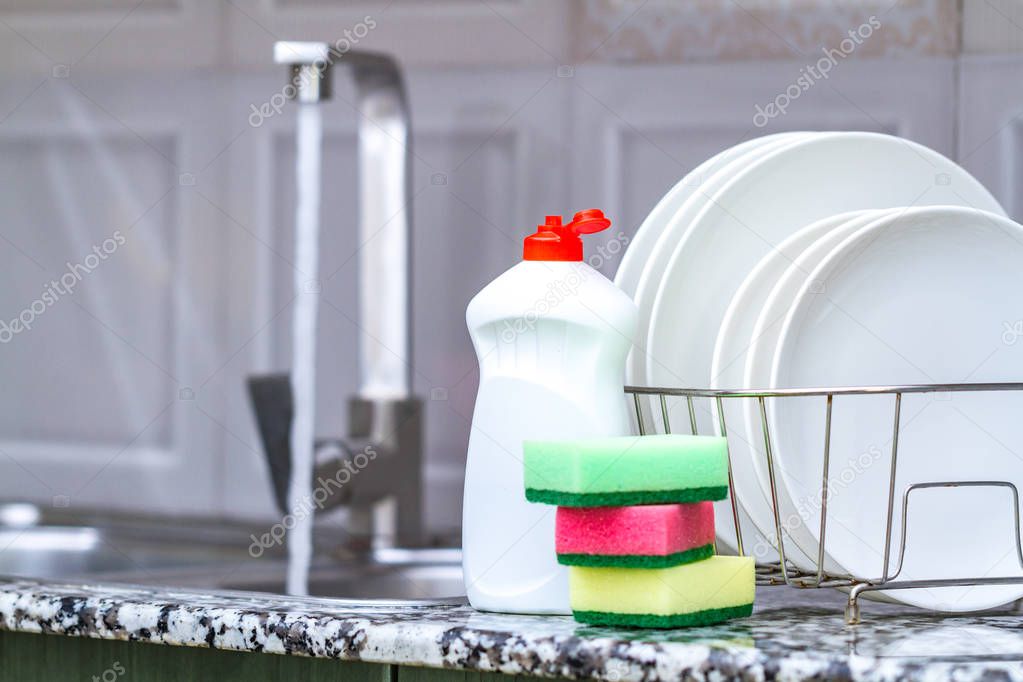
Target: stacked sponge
635,524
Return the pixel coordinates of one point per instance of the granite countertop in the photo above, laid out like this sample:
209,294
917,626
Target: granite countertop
793,635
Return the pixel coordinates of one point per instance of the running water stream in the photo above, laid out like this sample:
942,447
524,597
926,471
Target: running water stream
303,344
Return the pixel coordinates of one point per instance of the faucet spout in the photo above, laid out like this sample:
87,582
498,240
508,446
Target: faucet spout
385,196
378,466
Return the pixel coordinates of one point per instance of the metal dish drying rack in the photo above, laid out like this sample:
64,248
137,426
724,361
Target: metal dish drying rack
784,572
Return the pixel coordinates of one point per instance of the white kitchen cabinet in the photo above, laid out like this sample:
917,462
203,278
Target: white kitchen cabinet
991,126
103,404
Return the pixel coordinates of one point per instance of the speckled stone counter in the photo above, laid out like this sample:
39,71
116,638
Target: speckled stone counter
792,635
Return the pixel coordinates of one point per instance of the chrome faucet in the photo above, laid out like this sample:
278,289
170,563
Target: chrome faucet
377,470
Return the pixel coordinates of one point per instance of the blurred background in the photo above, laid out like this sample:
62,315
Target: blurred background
144,148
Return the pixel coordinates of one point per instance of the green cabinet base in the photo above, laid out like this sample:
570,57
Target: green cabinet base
58,658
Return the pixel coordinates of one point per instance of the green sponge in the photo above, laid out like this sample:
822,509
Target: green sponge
628,470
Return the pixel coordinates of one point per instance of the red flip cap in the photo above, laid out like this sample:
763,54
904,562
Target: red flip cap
554,241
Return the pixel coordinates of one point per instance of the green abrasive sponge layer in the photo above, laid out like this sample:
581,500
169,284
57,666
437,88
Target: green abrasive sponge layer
700,593
627,470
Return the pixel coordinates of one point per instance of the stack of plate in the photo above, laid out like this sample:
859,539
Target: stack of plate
844,259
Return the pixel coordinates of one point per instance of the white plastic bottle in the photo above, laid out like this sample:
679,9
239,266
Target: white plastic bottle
551,335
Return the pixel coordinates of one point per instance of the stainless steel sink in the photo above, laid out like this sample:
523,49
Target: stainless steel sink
209,555
385,574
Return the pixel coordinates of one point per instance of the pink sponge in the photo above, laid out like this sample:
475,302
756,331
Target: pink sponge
644,536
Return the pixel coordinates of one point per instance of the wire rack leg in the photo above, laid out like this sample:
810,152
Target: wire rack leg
766,432
852,606
639,414
723,428
891,486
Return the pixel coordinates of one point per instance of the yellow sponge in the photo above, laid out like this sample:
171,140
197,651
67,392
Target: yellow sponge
699,593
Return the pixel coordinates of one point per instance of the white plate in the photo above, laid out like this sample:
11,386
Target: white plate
815,177
755,372
735,338
696,189
675,212
921,296
637,255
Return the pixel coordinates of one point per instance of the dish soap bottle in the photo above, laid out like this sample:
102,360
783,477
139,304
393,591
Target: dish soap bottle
551,335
